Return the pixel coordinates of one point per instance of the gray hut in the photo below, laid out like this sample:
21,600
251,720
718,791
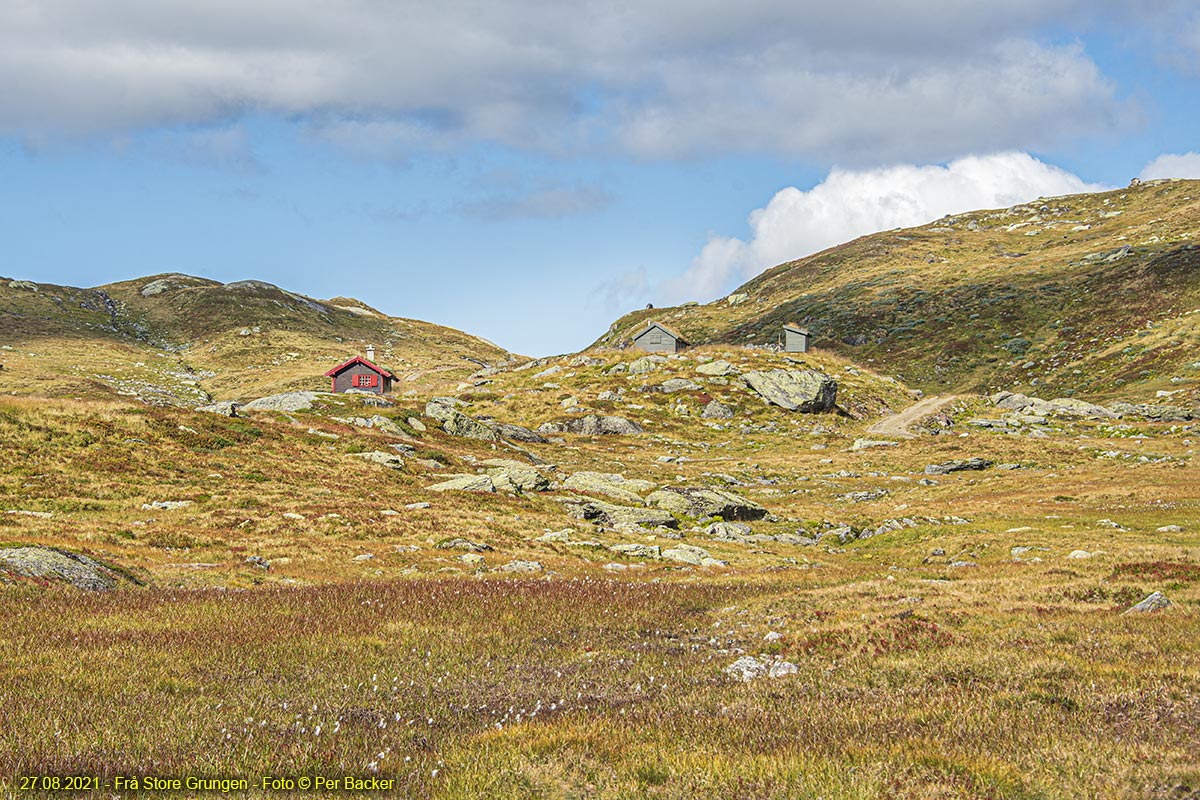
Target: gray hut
658,338
796,339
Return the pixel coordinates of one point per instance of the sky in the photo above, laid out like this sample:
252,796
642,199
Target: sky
510,168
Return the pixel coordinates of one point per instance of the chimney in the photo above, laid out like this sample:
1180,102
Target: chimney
371,353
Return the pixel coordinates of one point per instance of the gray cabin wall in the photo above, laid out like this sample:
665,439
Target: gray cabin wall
794,342
656,341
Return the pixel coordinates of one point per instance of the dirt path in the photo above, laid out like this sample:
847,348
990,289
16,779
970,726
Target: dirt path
896,425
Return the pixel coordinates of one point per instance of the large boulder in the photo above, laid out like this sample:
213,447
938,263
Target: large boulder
456,423
516,433
465,483
645,364
958,465
518,478
718,368
593,425
288,401
59,566
623,517
703,503
715,409
672,385
613,485
807,391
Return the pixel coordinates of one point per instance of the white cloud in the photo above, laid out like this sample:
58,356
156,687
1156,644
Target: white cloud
1171,165
851,203
852,82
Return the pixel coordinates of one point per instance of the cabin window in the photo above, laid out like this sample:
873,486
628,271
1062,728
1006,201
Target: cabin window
364,381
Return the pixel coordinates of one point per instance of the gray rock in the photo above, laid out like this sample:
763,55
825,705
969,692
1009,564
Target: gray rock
465,483
518,478
611,485
867,444
718,369
522,566
960,564
456,423
806,391
417,506
258,561
729,531
706,502
288,401
645,364
677,385
686,554
516,433
624,517
416,424
746,669
166,505
717,410
958,465
593,425
782,668
637,550
52,564
1153,602
27,285
226,408
390,460
459,543
559,537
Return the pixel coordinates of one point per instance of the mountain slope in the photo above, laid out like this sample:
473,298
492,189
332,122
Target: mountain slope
1092,293
178,339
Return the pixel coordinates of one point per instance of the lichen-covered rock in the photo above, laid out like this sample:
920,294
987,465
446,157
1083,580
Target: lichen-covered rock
390,460
226,408
623,517
516,433
677,385
715,409
518,478
1154,602
522,566
60,566
703,502
637,550
456,423
645,364
958,465
807,391
288,401
686,553
718,369
611,485
459,543
465,483
593,425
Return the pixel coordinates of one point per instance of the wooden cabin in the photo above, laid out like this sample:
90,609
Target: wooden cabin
796,339
657,338
361,375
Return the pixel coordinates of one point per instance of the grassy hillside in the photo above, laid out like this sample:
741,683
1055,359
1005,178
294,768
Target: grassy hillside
1095,294
177,339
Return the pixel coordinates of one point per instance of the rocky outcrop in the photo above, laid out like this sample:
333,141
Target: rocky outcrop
288,401
718,369
516,433
593,425
390,460
456,423
613,485
704,503
715,409
516,477
1060,406
807,391
59,566
958,465
623,517
672,385
465,483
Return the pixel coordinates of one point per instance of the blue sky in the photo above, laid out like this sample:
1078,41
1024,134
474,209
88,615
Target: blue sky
502,167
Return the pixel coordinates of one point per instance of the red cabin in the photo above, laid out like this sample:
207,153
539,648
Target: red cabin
361,375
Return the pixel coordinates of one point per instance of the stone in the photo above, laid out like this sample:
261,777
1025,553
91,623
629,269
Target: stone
516,433
258,561
634,550
561,537
686,553
715,409
958,465
773,636
166,505
781,668
522,566
26,285
623,517
593,425
365,557
807,391
382,423
746,669
518,478
416,506
728,531
677,385
465,483
706,502
471,559
867,444
390,460
456,423
613,485
645,364
53,564
1079,554
737,298
718,369
288,401
1170,529
1153,602
416,424
960,564
226,408
459,543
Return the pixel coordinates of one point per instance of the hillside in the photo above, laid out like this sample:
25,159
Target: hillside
1095,294
180,340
